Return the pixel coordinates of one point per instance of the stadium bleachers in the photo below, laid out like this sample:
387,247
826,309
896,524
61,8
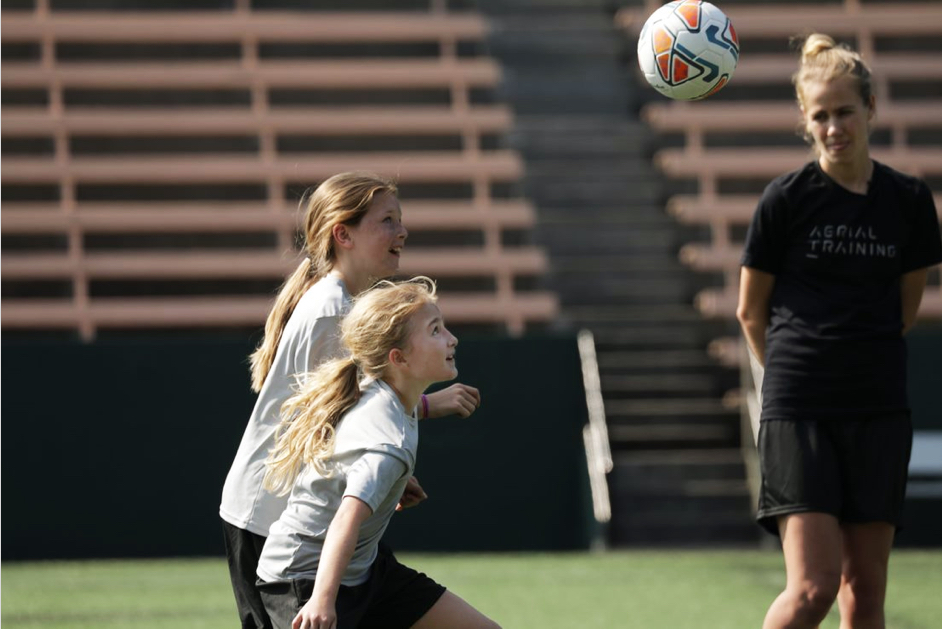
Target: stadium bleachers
153,161
739,139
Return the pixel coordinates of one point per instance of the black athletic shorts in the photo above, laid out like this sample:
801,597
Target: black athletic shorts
242,551
853,469
395,596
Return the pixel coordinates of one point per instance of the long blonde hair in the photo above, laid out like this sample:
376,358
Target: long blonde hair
379,321
822,59
340,200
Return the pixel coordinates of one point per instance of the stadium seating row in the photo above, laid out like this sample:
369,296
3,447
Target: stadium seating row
205,130
719,151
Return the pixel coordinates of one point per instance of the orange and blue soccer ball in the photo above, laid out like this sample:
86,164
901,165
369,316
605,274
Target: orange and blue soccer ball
688,49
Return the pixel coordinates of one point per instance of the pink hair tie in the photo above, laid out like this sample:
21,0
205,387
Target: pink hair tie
424,407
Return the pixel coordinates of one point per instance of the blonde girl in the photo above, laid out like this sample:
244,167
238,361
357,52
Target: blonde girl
834,268
345,451
353,236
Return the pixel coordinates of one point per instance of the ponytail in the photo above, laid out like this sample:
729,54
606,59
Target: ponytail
288,297
309,421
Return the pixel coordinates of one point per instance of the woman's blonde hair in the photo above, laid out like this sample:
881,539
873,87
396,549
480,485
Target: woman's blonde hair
341,200
379,321
822,59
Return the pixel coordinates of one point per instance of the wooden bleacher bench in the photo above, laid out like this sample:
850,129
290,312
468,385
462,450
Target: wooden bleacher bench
225,26
482,173
214,312
272,74
790,18
244,264
407,166
421,120
237,217
771,162
697,119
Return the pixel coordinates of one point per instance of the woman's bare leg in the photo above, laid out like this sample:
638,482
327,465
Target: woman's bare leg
864,574
811,543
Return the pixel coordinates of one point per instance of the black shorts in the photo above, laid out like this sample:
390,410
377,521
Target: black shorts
242,551
395,596
853,469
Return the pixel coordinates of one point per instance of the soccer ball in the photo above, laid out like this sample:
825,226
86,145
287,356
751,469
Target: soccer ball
688,50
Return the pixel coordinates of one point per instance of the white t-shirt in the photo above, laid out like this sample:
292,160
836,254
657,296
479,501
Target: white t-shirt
374,457
311,336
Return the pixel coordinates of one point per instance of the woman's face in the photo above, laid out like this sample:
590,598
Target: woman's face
837,119
379,237
430,352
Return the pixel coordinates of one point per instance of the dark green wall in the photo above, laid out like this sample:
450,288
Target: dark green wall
120,449
924,344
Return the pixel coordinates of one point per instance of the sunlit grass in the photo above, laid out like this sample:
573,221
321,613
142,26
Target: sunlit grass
639,589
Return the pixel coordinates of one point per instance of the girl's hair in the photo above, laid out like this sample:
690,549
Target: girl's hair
822,59
379,321
341,200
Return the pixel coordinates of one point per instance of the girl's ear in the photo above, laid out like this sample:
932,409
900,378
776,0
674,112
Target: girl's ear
396,357
342,236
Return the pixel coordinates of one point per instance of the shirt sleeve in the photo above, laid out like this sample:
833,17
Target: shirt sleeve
766,238
373,475
925,246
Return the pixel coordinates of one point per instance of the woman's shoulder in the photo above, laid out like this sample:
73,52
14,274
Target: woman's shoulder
798,178
887,175
783,190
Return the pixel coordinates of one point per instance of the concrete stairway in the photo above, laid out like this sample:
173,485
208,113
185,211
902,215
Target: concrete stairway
679,478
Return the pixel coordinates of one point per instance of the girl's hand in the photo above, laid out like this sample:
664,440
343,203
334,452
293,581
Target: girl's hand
458,399
412,495
316,614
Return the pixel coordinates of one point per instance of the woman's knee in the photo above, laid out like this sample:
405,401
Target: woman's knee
815,597
863,598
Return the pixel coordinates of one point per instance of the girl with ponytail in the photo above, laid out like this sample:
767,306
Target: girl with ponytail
835,263
345,450
353,236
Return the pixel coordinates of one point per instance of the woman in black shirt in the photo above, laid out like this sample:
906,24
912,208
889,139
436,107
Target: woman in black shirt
835,264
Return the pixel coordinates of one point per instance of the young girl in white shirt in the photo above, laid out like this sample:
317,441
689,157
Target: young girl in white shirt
345,450
353,236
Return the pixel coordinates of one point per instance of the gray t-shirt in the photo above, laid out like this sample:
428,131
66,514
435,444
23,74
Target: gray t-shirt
374,457
311,336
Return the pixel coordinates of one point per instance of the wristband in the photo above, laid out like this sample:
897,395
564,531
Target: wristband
424,407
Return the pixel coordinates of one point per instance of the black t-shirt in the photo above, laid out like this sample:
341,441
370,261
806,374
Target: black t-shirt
834,345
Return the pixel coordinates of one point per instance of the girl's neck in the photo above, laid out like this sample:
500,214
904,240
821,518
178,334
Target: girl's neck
408,392
354,282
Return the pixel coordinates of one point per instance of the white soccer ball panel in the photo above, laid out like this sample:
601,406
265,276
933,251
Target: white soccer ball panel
688,49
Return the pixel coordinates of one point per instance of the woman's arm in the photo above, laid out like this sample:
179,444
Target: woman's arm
320,612
912,286
755,290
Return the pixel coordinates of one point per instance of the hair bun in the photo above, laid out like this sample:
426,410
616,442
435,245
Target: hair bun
815,44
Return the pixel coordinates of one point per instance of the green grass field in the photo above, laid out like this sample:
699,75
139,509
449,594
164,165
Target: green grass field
642,589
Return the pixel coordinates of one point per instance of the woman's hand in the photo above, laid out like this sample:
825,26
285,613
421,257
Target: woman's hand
458,399
316,614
